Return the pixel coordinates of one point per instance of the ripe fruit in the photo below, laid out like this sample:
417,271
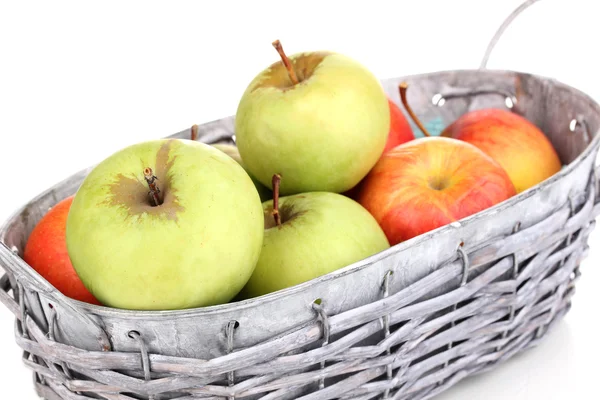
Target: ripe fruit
519,146
311,234
430,182
165,224
232,151
46,252
320,120
400,130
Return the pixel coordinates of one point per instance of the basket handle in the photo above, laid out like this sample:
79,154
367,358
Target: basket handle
501,30
509,95
516,12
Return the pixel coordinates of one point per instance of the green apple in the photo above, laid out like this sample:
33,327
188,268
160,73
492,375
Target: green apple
165,224
311,234
233,152
322,122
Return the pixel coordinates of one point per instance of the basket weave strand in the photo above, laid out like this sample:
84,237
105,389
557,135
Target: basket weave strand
406,325
404,345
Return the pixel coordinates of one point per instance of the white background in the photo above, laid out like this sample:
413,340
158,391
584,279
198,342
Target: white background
80,80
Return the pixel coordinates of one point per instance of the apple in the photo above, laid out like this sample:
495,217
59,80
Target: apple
165,224
319,119
400,129
308,235
46,252
519,146
233,152
430,182
400,132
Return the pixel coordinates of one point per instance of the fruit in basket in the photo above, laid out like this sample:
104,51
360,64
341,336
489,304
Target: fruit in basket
46,252
400,129
400,132
165,224
430,182
319,119
233,152
308,235
519,146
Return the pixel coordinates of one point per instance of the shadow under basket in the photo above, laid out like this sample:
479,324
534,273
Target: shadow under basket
406,323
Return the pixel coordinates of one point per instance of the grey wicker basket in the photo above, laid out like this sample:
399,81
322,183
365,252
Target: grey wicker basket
406,323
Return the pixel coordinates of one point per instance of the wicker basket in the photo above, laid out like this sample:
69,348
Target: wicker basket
406,323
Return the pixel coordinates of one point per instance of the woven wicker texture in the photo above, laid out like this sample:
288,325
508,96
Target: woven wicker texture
405,324
397,347
473,309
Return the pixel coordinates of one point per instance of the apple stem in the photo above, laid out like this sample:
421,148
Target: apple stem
194,134
286,62
403,89
276,215
154,190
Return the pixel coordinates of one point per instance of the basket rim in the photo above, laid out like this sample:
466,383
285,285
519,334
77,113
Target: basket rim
105,311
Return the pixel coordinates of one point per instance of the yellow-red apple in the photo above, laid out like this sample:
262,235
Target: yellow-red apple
400,132
519,146
430,182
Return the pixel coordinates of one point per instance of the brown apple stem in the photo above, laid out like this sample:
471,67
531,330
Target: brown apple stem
286,62
276,215
194,130
518,95
403,89
154,190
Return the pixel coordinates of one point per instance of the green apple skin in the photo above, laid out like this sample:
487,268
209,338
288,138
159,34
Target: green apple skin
322,134
198,248
320,233
232,151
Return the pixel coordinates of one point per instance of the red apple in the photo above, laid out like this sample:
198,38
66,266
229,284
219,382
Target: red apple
430,182
400,130
46,252
519,146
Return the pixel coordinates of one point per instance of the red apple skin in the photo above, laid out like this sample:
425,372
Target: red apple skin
46,252
430,182
400,130
519,146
